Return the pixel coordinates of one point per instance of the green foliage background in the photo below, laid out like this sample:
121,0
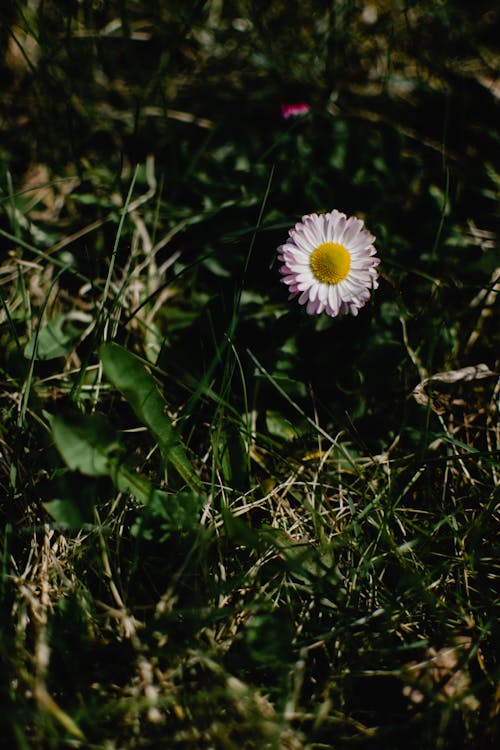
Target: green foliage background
225,523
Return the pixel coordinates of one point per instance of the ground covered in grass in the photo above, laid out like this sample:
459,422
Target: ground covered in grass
225,523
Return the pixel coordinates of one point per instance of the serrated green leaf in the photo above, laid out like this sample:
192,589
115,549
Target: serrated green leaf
129,375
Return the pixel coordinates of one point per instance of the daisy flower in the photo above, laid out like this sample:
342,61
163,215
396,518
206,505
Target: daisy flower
329,261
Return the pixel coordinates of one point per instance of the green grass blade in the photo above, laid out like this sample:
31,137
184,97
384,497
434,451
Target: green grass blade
32,353
128,374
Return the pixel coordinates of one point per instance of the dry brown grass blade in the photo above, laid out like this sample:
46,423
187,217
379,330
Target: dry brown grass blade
46,702
485,300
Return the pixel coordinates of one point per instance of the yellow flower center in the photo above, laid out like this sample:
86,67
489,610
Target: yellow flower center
330,262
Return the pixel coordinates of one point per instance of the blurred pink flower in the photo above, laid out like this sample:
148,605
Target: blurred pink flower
294,110
329,261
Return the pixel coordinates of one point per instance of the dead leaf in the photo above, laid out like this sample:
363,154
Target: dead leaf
440,379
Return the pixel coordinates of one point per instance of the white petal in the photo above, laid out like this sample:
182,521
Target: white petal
313,292
334,300
301,242
312,234
337,224
323,292
353,227
313,307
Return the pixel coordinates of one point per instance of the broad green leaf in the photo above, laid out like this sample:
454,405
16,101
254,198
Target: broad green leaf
280,426
89,445
129,375
215,267
65,512
52,341
86,443
127,480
